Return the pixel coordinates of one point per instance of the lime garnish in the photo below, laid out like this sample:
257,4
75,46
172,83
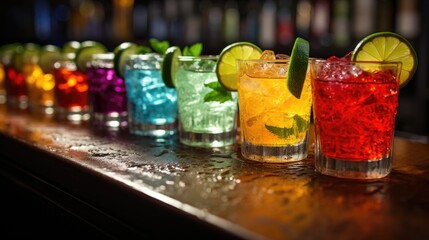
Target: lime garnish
388,47
298,65
25,54
71,47
226,67
85,52
48,56
170,63
122,53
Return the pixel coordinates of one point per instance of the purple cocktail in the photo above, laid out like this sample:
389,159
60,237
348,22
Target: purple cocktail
107,93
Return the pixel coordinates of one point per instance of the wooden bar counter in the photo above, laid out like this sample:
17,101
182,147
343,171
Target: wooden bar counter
58,177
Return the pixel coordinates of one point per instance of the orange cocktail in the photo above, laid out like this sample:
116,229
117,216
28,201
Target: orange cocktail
273,122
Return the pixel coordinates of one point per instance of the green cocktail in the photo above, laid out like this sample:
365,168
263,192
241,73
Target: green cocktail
203,123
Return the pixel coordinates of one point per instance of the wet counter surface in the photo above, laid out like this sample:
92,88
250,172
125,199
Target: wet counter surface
141,182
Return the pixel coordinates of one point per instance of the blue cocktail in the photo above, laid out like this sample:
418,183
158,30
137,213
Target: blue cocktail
152,107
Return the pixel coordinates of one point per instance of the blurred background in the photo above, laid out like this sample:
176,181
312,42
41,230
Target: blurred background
334,27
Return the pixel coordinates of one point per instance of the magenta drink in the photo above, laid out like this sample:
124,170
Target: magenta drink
107,92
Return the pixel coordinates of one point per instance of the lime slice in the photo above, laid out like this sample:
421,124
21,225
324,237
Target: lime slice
169,65
298,65
85,52
388,47
71,47
48,56
6,53
226,67
25,54
122,53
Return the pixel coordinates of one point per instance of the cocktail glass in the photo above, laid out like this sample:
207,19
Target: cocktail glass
16,88
274,123
203,123
40,88
355,105
152,107
71,90
2,84
107,93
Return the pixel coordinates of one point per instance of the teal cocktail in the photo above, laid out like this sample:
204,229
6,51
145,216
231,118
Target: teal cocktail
203,123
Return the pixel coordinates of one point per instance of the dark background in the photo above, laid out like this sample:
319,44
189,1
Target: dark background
334,27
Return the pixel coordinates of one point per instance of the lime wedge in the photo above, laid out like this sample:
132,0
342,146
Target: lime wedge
388,47
122,53
226,67
7,52
85,52
48,56
298,64
25,54
71,47
169,65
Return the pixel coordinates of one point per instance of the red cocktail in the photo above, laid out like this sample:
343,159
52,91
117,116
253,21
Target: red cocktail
71,90
354,106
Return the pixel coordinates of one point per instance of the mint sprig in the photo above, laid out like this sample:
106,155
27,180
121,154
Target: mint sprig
218,93
194,50
159,46
301,125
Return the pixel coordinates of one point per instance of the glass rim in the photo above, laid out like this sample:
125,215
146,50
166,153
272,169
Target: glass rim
146,56
196,58
284,60
103,56
324,61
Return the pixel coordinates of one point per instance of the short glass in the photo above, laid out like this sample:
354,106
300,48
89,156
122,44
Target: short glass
40,89
355,105
71,90
203,123
274,123
152,107
107,93
2,85
16,88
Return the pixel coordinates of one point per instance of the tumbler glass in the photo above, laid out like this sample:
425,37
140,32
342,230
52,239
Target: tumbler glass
274,123
107,94
40,89
152,107
71,90
203,123
355,105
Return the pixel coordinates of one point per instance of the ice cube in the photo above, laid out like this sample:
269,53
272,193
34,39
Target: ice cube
282,56
268,55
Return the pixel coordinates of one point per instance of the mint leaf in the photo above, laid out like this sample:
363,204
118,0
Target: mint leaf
159,46
218,94
280,132
300,123
144,50
194,50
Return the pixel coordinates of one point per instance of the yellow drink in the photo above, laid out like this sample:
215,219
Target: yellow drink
273,123
40,87
2,85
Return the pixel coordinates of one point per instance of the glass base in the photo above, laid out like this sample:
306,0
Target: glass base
207,140
76,114
49,110
18,103
275,154
372,169
146,129
2,96
110,120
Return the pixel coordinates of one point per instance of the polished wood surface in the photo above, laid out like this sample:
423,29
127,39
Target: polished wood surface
145,185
